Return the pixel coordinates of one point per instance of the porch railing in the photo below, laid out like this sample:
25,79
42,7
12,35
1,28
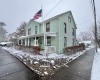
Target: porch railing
32,49
50,49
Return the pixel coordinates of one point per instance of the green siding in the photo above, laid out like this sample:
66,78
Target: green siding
56,25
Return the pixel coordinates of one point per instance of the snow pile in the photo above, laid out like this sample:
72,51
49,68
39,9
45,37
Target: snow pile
95,75
46,73
55,55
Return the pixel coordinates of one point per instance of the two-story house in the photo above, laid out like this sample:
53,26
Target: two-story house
59,32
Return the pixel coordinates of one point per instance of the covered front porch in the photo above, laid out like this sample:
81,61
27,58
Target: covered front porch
48,43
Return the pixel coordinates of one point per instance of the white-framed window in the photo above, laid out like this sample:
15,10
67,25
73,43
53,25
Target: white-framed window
73,41
69,19
36,29
48,41
65,27
73,31
29,31
48,27
65,41
23,41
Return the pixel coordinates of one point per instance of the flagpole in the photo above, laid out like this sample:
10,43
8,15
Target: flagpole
43,30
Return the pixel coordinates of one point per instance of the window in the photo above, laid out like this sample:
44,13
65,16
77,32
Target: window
35,29
23,41
69,19
19,42
37,38
73,31
47,27
48,41
65,41
29,41
73,41
29,31
65,27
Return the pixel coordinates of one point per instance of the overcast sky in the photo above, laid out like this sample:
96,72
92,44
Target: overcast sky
14,12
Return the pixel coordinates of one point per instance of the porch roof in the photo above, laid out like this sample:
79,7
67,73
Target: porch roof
53,34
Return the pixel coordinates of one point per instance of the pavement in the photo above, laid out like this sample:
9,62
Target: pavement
12,69
79,69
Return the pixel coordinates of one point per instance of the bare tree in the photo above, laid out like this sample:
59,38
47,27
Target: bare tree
21,30
83,36
92,30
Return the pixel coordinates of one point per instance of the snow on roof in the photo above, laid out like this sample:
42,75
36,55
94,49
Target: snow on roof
23,36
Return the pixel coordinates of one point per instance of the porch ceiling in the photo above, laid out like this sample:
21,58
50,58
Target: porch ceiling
53,34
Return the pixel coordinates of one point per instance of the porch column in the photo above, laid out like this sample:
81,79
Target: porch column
18,42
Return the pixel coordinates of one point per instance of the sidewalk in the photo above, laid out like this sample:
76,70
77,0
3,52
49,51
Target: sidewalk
79,69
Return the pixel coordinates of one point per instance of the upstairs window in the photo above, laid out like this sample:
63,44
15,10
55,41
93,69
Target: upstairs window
73,31
65,27
73,41
35,29
69,19
29,31
48,27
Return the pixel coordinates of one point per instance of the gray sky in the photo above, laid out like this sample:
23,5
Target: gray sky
14,12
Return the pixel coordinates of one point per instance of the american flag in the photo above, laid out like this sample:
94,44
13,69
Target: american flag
37,15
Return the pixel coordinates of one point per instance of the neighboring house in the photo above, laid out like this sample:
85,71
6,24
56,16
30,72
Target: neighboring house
87,43
60,32
12,38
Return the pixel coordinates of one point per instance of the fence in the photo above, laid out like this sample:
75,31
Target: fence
32,49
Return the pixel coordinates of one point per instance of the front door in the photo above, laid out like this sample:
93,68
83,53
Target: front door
48,41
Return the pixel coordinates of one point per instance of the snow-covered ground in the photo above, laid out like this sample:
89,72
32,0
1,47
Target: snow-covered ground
20,53
55,60
95,75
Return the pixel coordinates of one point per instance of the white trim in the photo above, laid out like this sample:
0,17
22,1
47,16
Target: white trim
54,34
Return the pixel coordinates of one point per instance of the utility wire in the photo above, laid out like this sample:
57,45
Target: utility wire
58,4
85,22
53,7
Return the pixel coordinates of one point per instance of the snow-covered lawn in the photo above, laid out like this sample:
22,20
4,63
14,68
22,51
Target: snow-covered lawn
38,57
44,65
95,75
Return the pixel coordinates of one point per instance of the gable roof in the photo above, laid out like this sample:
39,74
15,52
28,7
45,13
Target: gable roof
57,17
